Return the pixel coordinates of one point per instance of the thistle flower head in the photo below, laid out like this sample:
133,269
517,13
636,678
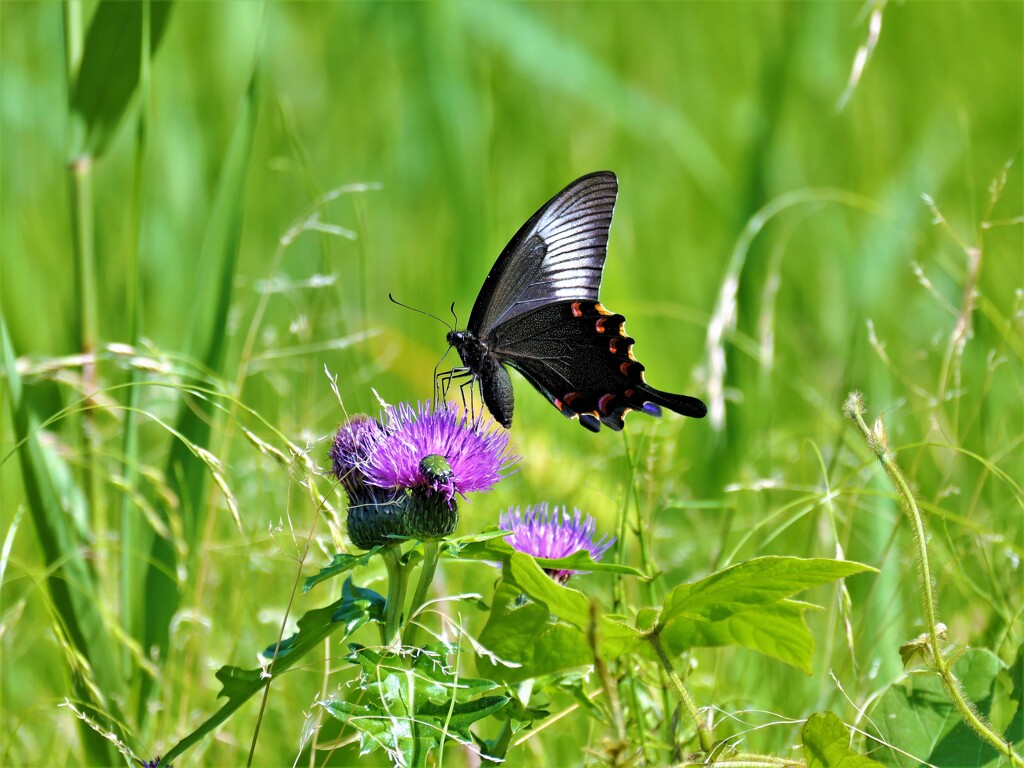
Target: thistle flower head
374,514
439,451
553,534
353,444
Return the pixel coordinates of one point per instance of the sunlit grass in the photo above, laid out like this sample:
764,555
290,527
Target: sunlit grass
770,251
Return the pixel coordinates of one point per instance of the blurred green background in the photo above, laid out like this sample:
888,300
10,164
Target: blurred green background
747,161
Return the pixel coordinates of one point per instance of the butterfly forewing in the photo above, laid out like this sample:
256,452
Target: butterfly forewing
558,255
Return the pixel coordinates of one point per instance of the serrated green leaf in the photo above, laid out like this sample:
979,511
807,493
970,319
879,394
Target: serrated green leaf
239,685
459,717
916,717
423,704
436,681
826,744
109,71
377,730
340,563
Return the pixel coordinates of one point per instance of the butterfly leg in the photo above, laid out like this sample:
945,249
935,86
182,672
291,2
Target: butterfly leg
443,382
472,397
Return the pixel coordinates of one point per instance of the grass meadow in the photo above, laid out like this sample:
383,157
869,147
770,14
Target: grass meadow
204,207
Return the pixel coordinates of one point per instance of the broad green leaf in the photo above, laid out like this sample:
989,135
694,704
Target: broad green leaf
109,71
916,716
753,584
340,563
748,605
566,603
616,637
1014,732
491,546
523,631
777,631
239,685
827,744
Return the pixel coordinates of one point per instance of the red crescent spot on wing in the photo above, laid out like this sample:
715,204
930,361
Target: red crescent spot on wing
571,397
558,403
575,309
599,325
602,404
613,346
629,393
624,368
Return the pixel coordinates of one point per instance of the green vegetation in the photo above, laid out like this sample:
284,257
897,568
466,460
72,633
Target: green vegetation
203,208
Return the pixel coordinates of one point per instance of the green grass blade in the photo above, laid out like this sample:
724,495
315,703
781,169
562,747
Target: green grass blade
187,475
111,62
72,585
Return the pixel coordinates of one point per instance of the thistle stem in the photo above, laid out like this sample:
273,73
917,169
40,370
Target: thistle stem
878,443
431,554
398,576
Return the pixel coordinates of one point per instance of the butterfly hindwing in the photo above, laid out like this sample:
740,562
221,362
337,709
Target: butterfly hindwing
557,255
579,356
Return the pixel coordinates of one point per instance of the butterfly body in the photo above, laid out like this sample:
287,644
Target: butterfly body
538,312
495,385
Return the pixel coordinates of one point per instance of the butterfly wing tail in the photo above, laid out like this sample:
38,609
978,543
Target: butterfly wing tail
681,404
646,399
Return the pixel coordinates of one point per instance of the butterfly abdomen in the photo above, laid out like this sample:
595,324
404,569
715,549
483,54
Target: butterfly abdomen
495,385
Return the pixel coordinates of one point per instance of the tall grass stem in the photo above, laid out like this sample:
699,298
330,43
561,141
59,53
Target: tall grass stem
877,441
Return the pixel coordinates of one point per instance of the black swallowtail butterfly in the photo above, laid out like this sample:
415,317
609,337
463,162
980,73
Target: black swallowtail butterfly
539,312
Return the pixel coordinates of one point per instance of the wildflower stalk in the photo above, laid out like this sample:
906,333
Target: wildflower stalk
703,732
398,576
877,441
431,554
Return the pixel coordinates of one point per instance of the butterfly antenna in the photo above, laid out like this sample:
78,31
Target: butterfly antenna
422,312
452,310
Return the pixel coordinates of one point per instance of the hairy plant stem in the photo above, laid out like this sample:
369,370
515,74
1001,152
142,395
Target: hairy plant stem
431,554
398,577
878,443
703,732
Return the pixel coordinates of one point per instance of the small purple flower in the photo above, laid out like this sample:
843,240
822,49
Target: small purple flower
437,450
553,535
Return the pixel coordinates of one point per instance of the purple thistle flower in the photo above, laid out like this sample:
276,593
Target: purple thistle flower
553,535
355,442
374,514
437,450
